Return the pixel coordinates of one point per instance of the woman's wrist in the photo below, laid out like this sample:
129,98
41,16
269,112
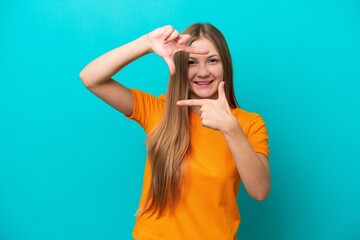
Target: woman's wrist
144,44
231,127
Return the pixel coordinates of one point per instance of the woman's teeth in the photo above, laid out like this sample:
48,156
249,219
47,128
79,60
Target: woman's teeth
204,83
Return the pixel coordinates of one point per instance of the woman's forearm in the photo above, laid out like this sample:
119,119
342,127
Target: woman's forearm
253,170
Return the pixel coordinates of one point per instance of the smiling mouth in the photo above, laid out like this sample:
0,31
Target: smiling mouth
203,82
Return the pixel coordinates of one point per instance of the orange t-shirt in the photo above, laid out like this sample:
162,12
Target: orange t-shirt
209,208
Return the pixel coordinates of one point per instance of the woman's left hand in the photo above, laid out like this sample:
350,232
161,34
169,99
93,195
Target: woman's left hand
215,114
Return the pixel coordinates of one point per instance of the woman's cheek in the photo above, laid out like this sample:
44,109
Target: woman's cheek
191,72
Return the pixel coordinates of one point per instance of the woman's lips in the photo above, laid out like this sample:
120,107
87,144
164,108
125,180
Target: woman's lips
203,83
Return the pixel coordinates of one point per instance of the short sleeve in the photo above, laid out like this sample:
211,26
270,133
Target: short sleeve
148,109
257,135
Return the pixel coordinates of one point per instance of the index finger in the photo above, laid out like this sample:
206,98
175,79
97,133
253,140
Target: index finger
183,38
191,102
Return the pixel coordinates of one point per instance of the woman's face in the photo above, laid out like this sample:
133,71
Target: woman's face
205,71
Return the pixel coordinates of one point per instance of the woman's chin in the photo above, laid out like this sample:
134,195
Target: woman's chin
203,95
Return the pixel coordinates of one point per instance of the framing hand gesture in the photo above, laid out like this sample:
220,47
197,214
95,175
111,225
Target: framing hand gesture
166,41
215,114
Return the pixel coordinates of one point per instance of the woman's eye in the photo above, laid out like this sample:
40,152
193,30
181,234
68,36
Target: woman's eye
190,62
213,60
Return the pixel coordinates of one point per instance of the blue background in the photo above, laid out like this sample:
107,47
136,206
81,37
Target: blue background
71,166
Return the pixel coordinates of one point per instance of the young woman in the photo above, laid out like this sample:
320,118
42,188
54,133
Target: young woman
200,143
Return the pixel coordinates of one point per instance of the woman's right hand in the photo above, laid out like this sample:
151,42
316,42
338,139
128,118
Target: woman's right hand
166,41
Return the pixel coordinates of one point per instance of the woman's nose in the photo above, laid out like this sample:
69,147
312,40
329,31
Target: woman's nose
203,71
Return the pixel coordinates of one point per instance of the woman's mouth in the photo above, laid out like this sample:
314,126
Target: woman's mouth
203,83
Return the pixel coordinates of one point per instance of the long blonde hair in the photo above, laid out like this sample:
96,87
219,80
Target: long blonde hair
168,142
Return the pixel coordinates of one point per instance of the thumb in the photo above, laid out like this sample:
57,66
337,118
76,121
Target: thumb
221,91
171,64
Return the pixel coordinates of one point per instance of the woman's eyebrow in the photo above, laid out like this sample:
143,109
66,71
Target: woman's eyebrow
214,55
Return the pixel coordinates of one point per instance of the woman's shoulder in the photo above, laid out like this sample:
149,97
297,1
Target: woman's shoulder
245,116
162,97
242,113
252,123
148,109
